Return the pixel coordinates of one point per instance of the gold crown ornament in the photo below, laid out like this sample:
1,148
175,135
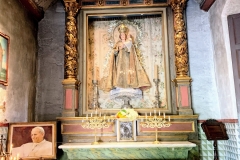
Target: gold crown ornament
123,29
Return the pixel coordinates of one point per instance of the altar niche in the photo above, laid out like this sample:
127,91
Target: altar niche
147,29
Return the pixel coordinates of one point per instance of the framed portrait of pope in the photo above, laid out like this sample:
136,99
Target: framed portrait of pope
33,140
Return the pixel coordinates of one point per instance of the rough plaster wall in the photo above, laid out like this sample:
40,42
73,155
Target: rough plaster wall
49,100
222,64
19,95
204,91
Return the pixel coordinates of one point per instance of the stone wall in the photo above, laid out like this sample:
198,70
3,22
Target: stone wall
19,94
49,100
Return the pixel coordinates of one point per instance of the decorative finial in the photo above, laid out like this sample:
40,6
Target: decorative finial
123,29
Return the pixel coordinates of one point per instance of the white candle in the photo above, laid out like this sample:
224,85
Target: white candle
154,112
156,71
91,114
11,148
96,112
169,118
145,115
150,114
17,156
87,116
164,115
94,73
159,113
104,117
100,114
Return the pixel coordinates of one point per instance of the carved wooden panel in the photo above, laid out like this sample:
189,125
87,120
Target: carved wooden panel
214,130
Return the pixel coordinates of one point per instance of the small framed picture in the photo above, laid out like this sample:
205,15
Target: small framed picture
4,54
126,129
33,140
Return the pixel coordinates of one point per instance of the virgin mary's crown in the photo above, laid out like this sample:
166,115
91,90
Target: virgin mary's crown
122,29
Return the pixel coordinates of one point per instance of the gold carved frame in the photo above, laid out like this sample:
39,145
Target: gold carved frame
83,73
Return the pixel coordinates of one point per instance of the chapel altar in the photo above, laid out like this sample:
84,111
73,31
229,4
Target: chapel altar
126,85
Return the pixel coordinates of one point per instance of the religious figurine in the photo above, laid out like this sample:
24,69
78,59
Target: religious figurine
124,68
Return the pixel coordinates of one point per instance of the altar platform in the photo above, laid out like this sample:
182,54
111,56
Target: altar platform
128,150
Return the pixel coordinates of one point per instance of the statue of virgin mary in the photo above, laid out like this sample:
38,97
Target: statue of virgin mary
124,71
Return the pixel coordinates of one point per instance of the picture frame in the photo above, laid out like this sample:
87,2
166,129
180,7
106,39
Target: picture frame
126,130
4,56
98,34
22,145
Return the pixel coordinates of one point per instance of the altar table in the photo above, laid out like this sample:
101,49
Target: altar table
128,150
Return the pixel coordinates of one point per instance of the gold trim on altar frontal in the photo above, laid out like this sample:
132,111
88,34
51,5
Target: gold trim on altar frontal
174,131
112,132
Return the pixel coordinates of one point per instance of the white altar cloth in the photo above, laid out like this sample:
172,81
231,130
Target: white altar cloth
165,144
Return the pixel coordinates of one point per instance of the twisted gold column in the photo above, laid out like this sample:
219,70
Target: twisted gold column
71,55
182,81
70,82
180,37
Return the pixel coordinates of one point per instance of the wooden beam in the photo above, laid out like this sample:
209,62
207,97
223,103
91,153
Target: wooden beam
206,4
33,9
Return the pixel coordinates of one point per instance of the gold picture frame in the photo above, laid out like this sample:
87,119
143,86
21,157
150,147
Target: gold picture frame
4,56
126,130
89,72
20,142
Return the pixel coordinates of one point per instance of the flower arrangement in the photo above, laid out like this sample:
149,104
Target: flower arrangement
127,113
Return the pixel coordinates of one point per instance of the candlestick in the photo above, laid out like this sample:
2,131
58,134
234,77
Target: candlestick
96,123
155,122
157,102
96,73
94,104
11,148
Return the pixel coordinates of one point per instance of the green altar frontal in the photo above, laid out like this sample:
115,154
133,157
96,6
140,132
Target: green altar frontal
128,150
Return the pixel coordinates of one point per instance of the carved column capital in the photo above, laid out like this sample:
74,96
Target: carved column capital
71,7
178,4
